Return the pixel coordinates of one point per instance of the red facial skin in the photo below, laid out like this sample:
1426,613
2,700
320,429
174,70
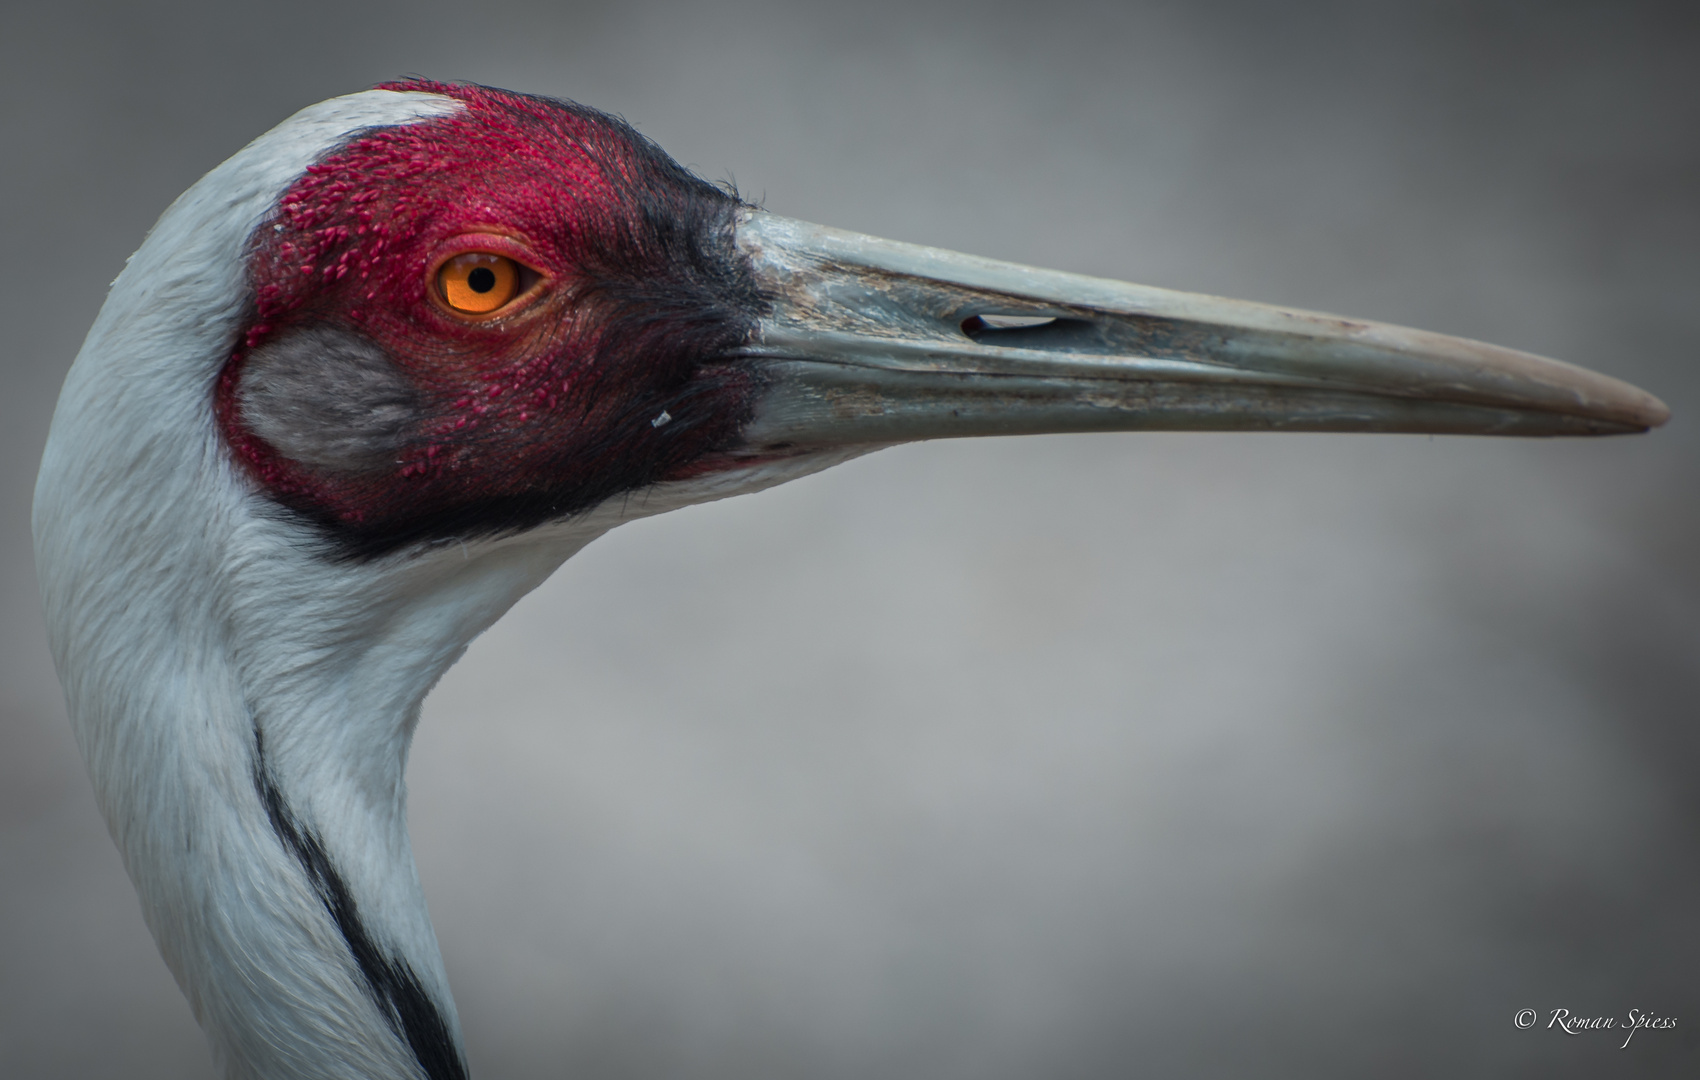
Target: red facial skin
545,407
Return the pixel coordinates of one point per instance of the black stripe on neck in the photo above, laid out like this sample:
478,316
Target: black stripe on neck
391,982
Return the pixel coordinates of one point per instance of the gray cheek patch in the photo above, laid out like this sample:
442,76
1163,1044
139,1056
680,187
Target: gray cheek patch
328,399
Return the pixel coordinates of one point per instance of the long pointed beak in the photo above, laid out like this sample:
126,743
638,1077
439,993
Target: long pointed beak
871,342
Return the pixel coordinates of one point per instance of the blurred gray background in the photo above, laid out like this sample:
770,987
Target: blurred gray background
1102,756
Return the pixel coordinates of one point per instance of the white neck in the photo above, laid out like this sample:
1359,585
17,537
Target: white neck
244,705
244,700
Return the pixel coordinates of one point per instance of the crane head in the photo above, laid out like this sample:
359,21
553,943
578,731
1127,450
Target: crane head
508,314
473,324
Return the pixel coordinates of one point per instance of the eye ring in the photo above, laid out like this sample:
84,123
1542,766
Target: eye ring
480,277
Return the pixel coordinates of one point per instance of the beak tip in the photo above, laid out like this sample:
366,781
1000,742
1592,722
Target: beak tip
1615,406
1634,408
1654,412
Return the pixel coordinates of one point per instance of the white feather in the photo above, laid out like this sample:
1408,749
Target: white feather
185,613
176,607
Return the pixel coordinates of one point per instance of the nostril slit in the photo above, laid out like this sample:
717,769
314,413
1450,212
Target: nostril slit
979,326
1053,333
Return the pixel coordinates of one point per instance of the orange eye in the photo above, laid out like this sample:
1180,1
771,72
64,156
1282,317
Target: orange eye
478,282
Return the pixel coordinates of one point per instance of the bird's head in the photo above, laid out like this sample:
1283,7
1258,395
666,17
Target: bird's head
510,312
488,320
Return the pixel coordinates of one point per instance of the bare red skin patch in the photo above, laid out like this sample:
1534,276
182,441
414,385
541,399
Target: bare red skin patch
530,415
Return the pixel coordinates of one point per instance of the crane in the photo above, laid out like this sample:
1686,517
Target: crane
379,374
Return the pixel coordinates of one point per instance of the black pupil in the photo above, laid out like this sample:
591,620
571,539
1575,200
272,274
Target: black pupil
482,279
